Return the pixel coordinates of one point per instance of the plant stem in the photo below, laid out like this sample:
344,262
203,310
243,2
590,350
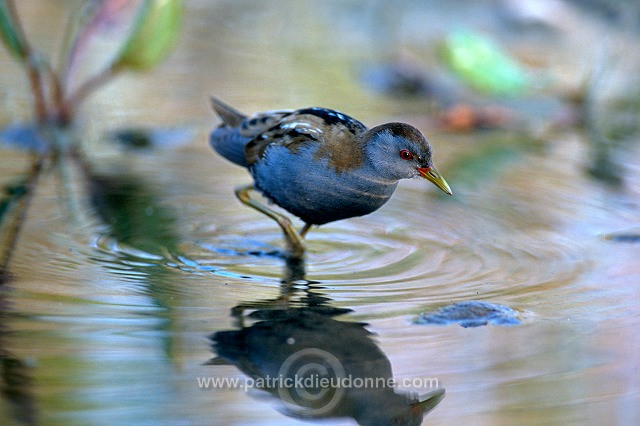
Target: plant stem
69,105
37,86
31,63
9,236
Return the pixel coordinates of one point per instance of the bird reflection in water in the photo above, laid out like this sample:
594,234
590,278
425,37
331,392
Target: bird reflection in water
318,367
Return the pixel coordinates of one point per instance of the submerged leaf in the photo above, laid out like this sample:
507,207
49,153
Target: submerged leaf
9,33
155,32
483,65
473,313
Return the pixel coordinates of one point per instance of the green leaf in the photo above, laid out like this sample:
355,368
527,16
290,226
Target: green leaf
480,63
154,34
9,33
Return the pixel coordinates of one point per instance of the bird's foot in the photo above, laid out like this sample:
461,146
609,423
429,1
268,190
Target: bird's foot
295,243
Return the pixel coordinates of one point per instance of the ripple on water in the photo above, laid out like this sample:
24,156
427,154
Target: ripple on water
477,259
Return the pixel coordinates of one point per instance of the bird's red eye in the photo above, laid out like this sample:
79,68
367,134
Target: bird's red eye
406,154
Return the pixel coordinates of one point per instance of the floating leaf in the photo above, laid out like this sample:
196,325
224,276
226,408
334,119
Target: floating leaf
154,34
9,32
483,65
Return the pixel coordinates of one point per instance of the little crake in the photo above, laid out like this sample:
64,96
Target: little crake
319,164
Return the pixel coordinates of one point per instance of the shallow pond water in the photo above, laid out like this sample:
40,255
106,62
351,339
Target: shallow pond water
111,307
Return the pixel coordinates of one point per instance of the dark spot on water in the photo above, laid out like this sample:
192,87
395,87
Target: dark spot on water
266,252
263,253
624,237
150,138
133,138
470,314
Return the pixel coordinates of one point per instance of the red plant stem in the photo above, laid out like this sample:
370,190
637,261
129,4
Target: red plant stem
33,70
57,92
37,86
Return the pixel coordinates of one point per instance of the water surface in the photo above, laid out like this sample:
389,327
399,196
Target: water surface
108,316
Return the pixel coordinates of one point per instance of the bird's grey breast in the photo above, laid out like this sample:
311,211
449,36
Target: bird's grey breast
310,187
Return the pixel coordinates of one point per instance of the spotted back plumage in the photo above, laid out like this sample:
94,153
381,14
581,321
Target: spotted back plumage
336,134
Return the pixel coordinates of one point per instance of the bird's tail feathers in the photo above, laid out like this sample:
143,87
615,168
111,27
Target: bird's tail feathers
229,115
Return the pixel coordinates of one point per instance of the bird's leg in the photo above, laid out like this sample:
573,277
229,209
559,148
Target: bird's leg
294,240
280,303
304,230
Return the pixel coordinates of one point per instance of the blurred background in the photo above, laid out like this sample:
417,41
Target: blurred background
122,272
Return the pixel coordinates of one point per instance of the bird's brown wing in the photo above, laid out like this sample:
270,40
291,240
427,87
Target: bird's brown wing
337,135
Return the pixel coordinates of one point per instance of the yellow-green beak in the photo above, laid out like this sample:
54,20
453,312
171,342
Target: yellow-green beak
428,401
431,174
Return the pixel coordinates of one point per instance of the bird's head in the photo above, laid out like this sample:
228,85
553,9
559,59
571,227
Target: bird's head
399,151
